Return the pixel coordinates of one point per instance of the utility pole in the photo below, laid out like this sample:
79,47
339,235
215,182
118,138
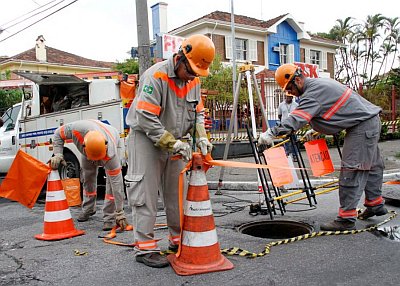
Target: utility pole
142,23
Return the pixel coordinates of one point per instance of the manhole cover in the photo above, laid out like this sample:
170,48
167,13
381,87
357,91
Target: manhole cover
275,229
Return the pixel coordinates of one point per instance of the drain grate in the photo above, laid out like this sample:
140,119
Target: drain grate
275,229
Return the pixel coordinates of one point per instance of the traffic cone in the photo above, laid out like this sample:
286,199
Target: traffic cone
199,250
58,223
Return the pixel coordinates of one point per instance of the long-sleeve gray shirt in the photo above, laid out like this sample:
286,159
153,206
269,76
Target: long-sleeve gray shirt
329,107
165,103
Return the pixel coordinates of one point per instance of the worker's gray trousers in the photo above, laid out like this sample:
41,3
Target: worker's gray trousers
151,172
89,175
361,169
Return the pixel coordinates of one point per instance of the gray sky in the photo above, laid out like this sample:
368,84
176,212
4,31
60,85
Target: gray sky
105,29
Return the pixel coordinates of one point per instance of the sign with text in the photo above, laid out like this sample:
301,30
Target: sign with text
319,157
279,166
309,70
170,45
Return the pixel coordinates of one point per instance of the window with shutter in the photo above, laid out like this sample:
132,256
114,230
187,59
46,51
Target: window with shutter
290,54
307,56
253,50
228,47
324,61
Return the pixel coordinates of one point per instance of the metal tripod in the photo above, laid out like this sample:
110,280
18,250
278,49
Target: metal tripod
247,70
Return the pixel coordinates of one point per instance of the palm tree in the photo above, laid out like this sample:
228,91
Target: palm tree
369,34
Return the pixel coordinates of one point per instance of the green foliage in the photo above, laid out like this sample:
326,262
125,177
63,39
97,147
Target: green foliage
220,80
8,98
129,66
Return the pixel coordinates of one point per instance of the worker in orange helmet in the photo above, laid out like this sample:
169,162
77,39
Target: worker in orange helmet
330,107
98,143
167,107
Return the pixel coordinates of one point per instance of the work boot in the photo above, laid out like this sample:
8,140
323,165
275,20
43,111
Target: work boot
84,216
108,226
368,212
337,225
153,259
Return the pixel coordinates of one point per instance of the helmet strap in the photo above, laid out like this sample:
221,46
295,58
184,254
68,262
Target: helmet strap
181,59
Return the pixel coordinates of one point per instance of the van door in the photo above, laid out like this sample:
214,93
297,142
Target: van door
8,137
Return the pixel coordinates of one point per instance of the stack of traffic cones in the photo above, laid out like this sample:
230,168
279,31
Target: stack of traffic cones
58,223
199,249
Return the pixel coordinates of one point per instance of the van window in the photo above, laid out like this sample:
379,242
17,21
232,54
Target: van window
10,118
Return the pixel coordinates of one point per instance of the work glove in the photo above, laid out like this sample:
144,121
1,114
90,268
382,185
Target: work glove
56,160
204,145
266,138
311,135
202,142
183,149
120,220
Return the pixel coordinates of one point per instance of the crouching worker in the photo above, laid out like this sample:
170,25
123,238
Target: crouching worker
330,107
98,143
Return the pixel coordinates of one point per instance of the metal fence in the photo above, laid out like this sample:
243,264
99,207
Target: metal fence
220,109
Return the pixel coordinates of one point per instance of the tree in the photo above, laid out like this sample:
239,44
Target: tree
130,66
8,98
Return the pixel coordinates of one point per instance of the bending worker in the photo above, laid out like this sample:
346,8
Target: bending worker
165,109
330,107
98,144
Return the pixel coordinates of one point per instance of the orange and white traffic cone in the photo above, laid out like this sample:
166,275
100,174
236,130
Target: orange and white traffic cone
199,249
58,223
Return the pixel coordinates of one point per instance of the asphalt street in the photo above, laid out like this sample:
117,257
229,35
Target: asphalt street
366,258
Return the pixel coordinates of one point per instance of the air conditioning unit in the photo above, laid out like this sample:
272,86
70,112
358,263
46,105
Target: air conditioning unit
276,49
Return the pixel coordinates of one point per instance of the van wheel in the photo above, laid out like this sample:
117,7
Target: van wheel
72,170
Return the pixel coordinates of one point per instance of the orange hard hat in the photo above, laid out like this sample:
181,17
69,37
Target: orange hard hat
199,51
95,145
285,73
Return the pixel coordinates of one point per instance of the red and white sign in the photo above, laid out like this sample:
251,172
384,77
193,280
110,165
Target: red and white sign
170,45
309,70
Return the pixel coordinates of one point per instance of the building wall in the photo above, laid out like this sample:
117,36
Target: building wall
285,35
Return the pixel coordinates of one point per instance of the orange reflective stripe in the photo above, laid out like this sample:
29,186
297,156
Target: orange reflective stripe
200,106
347,214
339,103
62,133
113,172
109,197
78,136
149,244
307,116
89,194
149,107
180,92
374,202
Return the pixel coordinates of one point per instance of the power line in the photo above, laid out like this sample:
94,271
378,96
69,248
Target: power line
25,15
38,21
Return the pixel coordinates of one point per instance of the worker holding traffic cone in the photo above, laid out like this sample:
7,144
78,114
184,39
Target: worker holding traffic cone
166,108
199,249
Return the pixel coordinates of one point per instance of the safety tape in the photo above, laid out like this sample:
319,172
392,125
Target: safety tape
244,253
298,132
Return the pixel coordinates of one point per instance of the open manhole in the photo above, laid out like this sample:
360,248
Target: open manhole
275,229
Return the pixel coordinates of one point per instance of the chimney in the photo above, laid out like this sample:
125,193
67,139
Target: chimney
159,17
41,54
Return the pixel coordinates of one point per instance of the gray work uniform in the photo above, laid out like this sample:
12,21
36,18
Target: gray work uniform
284,110
163,103
114,197
330,107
